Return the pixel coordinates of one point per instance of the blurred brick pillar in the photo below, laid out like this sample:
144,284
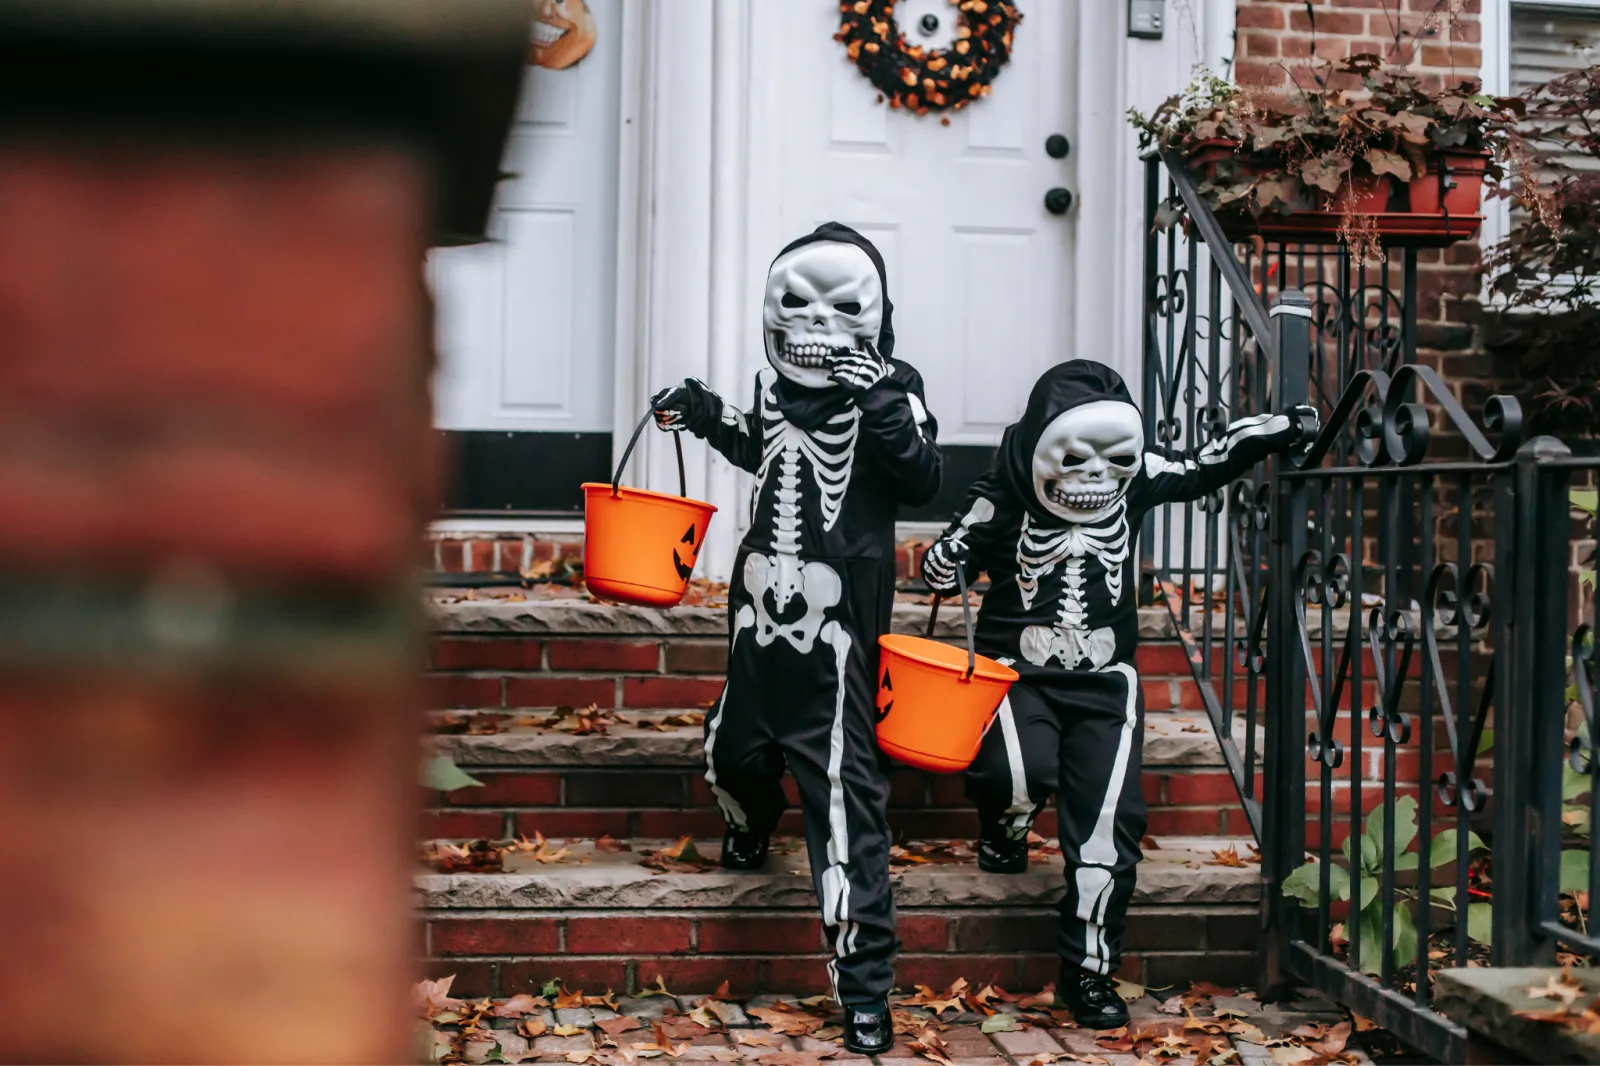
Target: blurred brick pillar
214,473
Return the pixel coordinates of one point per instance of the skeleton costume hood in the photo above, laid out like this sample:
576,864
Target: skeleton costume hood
808,408
1063,387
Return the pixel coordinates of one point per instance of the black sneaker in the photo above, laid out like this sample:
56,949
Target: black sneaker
743,849
1000,853
867,1029
1092,998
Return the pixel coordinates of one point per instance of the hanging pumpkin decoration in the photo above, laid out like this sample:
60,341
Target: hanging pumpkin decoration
924,79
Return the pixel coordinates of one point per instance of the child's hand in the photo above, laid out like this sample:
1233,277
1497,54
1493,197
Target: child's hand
857,371
685,406
1304,425
941,562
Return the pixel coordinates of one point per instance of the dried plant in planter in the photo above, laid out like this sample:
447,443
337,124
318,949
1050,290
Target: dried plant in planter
1324,150
1545,276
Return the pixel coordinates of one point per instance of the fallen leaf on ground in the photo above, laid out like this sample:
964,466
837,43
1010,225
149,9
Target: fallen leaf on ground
1000,1023
789,1023
1205,990
610,845
828,1032
1562,987
1228,856
950,999
1285,1056
479,856
1363,1025
518,1005
929,1046
681,857
1093,1060
816,1004
579,1056
567,1030
746,1036
1046,997
532,1027
1129,991
906,1023
1172,1005
725,1054
620,1024
434,996
797,1058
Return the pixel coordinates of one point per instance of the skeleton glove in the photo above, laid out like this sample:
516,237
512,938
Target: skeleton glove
857,371
686,406
940,564
1304,425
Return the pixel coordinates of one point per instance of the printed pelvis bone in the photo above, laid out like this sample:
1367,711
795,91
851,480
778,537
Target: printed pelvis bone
1086,459
801,595
820,297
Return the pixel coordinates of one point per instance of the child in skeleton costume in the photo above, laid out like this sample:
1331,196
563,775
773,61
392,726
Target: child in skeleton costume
1054,524
838,438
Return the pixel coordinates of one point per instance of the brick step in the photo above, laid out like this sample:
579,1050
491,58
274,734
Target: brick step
633,781
602,919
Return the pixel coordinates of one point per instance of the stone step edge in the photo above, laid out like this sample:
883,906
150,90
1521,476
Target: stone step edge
1170,740
1175,874
574,617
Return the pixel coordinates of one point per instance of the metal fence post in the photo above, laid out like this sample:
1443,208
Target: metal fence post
1284,786
1530,704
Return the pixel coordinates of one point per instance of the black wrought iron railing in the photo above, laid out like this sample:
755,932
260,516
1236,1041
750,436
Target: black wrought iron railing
1394,647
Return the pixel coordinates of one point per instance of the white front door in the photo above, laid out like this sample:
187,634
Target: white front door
526,323
979,270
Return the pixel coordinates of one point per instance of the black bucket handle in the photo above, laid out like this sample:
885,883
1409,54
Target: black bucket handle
966,612
677,442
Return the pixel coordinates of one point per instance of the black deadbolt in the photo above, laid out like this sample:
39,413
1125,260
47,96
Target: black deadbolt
1056,146
929,24
1058,201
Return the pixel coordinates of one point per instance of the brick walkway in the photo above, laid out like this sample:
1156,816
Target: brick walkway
1219,1029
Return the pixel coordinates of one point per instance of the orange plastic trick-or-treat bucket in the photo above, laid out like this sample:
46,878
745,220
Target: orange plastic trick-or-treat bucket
936,702
640,547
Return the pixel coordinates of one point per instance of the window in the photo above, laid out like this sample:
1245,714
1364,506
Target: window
1547,41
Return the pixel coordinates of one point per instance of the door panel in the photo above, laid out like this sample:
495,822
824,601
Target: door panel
978,270
526,325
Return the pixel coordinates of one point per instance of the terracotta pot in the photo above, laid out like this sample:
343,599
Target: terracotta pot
1370,193
1464,171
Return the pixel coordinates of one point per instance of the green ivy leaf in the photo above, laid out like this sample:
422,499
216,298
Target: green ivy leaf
1574,870
1369,892
1443,848
1303,884
1405,936
1480,922
1383,162
1485,741
1585,500
1573,784
999,1023
441,773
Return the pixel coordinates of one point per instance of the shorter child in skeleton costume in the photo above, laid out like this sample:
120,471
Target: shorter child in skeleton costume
838,438
1054,524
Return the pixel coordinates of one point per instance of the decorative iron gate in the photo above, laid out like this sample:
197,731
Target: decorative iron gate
1359,616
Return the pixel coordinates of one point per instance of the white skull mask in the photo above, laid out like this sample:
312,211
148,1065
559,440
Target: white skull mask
820,297
1086,458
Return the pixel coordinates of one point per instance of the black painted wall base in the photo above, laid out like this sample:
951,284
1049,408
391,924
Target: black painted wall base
531,475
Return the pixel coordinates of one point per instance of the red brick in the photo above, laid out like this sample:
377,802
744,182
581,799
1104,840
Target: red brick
758,936
1180,821
1348,23
508,554
1455,57
1253,17
1157,695
474,980
462,825
569,824
480,556
1008,931
1036,971
934,825
702,824
1258,44
702,973
627,788
942,971
1195,789
1164,659
560,692
628,935
510,790
1258,72
617,655
923,932
576,974
493,653
908,788
670,691
696,656
800,976
446,691
533,935
949,790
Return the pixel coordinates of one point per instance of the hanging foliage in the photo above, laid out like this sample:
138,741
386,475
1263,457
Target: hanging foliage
929,79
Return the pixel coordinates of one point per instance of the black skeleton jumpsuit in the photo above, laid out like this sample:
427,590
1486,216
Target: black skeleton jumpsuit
1061,610
832,469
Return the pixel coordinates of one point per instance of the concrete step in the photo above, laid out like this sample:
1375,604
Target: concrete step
601,918
637,781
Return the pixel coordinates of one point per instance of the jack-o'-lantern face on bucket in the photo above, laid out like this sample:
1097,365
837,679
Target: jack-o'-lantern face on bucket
563,33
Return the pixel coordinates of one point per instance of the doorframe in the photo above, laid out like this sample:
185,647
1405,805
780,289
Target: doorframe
635,155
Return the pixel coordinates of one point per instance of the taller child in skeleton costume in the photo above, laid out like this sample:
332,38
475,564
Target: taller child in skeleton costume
837,439
1054,524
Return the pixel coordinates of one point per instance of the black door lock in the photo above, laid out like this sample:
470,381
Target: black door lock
1058,201
1057,146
